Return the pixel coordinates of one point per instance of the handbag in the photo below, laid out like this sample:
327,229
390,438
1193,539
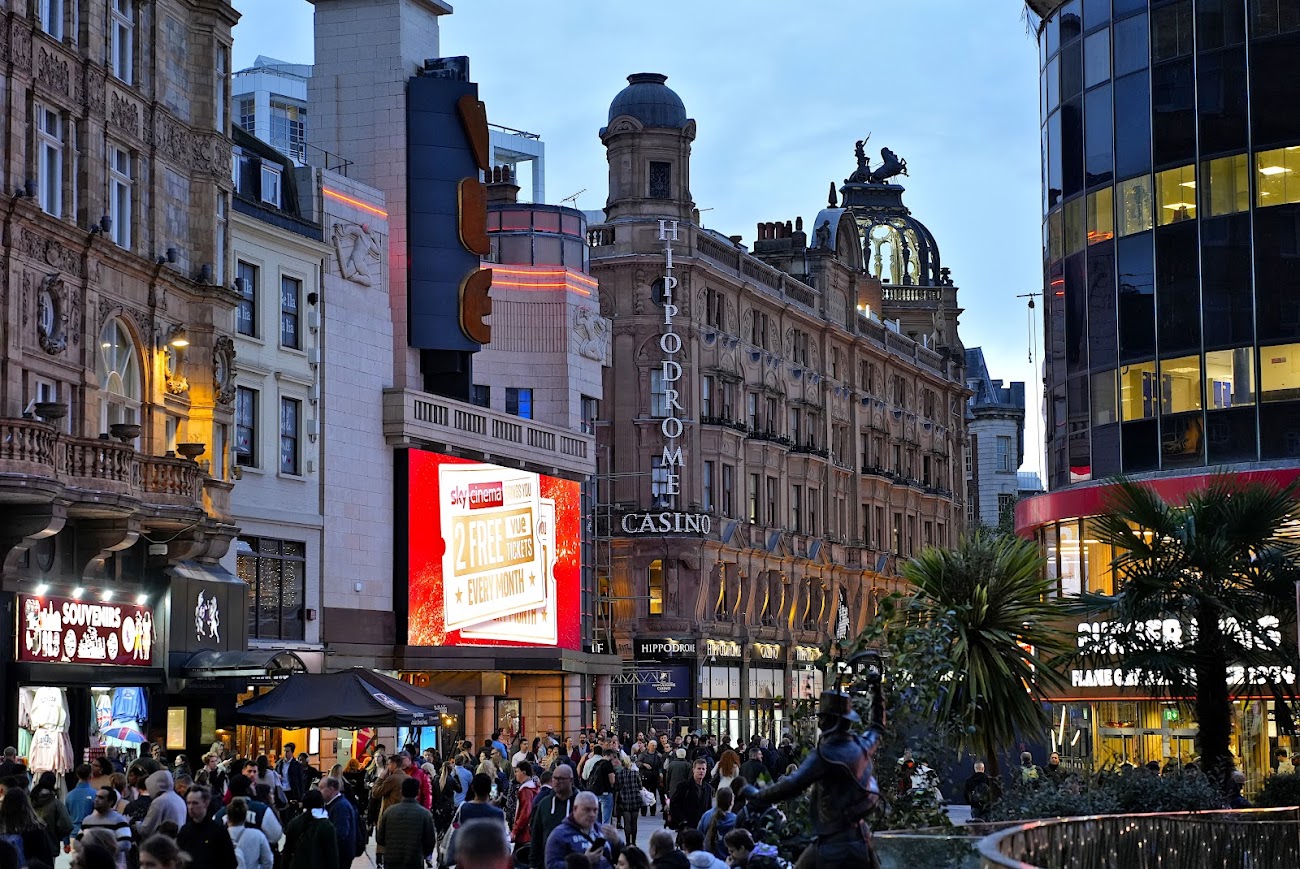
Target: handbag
647,797
444,843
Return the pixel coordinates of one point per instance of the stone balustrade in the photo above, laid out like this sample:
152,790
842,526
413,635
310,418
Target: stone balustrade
31,448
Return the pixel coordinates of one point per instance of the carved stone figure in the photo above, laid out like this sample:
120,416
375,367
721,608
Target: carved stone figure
592,333
52,314
355,246
223,369
822,236
841,774
889,168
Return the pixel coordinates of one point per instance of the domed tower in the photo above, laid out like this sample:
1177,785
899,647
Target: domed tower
901,252
648,144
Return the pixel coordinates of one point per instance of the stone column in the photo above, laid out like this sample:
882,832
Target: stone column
469,721
486,718
572,704
604,715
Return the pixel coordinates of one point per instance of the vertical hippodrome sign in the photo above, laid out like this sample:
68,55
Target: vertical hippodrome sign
670,343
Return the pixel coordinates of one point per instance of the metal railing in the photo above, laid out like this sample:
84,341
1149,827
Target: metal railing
1249,839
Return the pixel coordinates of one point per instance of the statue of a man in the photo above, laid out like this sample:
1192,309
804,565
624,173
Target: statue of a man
841,775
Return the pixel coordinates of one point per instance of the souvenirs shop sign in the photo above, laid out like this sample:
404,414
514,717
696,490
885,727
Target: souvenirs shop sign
67,631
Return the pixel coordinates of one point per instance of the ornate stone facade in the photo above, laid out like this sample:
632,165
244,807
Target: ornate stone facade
94,286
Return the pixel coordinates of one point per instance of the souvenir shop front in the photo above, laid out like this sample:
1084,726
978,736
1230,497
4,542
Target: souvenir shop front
81,679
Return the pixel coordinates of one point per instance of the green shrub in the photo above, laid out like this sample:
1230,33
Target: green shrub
1280,790
1110,793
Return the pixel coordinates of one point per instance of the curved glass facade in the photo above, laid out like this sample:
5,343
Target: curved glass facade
1171,234
538,235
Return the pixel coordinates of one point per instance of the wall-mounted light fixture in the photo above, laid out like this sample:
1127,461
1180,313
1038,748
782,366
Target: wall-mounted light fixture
178,337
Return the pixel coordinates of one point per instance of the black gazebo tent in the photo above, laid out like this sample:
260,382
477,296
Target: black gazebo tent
348,699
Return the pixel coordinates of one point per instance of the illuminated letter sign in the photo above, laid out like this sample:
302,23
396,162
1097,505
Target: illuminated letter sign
668,481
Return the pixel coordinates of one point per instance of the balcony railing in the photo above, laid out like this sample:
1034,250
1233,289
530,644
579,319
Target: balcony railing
36,449
413,417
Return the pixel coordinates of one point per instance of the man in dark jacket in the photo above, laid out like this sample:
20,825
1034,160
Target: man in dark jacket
664,853
692,798
343,816
754,769
549,812
979,792
676,771
406,831
578,834
205,840
310,842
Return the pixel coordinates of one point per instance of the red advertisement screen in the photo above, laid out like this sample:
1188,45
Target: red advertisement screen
493,555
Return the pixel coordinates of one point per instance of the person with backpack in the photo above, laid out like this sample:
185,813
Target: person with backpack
979,792
51,810
310,839
1030,772
252,851
600,781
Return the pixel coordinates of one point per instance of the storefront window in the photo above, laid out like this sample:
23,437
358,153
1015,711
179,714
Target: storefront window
1105,407
1279,372
1050,551
1180,380
1176,194
1096,561
1225,186
1071,569
1134,205
1137,391
275,571
1276,178
1230,378
1101,215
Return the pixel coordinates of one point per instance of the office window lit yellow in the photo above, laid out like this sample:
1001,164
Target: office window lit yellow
1098,576
1074,239
1229,378
1180,384
1101,215
1055,235
1137,391
1175,195
655,579
1225,186
1277,176
1133,205
1279,372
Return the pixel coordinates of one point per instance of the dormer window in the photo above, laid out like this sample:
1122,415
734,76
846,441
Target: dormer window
271,184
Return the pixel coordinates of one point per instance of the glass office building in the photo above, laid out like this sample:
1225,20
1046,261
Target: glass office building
1171,251
1171,234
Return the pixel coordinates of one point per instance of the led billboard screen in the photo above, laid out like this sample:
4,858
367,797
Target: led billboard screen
493,555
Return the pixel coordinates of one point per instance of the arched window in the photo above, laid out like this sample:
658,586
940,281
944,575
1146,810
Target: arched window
120,383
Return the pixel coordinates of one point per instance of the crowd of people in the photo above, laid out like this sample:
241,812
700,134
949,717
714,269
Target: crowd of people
546,802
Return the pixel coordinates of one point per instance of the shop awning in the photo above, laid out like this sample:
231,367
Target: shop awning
208,664
348,699
203,572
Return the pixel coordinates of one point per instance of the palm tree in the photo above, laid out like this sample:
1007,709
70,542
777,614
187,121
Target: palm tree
1206,572
991,590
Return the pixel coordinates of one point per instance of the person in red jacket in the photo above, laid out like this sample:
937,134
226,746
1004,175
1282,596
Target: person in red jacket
411,768
521,832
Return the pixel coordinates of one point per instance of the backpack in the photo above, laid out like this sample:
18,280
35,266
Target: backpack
15,841
239,852
1028,774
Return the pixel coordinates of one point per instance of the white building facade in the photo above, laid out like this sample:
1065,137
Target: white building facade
996,426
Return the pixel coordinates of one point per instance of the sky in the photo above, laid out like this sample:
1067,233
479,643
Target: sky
779,92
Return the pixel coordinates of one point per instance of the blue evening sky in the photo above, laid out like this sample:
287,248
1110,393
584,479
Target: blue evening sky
780,91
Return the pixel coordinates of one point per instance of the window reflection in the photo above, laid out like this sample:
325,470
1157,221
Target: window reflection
1071,569
1225,186
1096,58
1055,235
1105,404
1276,181
1134,205
1101,215
1074,225
1180,384
1176,194
1097,556
1279,372
1229,378
1131,42
1137,391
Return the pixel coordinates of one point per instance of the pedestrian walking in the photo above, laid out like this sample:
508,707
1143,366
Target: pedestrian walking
406,831
310,842
627,798
251,848
203,838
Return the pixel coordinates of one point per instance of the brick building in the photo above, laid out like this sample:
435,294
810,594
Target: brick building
781,425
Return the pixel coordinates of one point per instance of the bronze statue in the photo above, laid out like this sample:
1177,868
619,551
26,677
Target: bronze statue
862,174
841,774
888,169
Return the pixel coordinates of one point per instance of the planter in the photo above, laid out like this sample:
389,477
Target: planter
191,451
125,431
51,411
